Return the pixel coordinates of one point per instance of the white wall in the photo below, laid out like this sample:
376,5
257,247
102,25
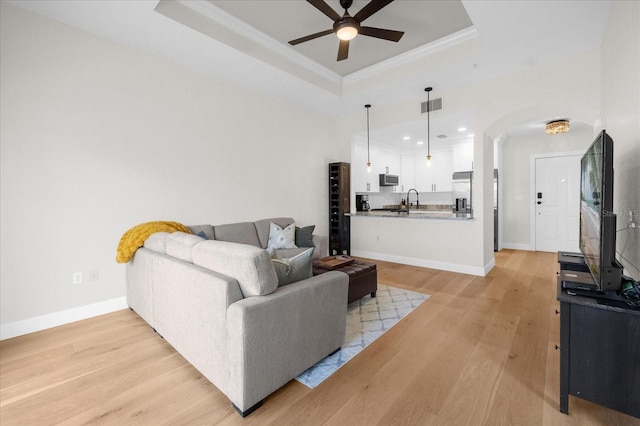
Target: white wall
621,118
516,178
97,137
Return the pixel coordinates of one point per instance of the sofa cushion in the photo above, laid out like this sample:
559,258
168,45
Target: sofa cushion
264,225
292,269
157,242
304,236
287,253
207,229
282,238
179,245
243,233
249,265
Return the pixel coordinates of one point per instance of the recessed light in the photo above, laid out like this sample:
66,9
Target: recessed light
462,129
406,138
470,135
419,143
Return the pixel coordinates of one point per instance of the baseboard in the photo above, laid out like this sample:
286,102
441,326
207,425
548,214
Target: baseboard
425,263
489,266
516,246
55,319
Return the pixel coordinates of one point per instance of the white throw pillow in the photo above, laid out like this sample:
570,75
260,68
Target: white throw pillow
294,269
282,238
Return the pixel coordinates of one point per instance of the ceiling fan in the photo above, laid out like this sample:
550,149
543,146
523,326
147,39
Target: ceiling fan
347,27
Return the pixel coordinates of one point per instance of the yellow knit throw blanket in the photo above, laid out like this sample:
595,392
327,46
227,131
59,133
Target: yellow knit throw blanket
135,237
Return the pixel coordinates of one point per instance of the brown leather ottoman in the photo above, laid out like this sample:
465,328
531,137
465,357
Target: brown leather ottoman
363,277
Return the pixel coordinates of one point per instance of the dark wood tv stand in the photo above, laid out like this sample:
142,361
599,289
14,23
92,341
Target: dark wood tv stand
599,348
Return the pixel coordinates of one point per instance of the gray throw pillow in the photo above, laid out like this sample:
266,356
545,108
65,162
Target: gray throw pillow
304,236
293,269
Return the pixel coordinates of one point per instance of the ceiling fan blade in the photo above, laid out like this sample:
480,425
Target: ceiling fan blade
326,9
390,35
310,37
343,50
370,9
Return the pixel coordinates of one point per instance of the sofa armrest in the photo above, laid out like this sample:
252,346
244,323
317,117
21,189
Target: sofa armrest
190,305
273,338
321,242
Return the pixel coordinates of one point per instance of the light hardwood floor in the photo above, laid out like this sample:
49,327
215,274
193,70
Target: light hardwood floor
480,351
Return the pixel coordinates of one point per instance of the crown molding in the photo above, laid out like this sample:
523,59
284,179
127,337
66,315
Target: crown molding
410,56
256,37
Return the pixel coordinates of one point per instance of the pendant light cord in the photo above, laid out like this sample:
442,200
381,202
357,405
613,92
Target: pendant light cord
368,158
428,90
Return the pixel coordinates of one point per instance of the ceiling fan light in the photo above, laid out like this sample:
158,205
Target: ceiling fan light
347,31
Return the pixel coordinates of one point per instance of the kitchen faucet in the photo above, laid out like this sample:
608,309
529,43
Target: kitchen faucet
417,198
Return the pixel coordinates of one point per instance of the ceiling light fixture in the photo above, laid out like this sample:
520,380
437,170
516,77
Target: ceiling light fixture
367,106
557,126
346,29
462,129
428,90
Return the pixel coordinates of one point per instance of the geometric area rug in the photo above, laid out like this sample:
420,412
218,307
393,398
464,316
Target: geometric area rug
367,319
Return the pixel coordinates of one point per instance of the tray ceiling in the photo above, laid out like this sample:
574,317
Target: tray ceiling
423,22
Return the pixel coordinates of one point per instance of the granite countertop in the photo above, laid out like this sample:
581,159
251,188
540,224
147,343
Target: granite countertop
415,214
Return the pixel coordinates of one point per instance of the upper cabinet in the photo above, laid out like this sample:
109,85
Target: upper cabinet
412,168
436,177
388,162
442,165
463,157
381,161
361,180
407,173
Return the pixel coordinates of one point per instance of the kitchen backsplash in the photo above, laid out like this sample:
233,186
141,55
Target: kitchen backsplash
377,199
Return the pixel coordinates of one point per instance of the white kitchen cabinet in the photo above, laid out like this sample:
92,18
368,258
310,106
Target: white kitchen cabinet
423,174
362,180
407,173
463,158
412,169
388,162
442,165
435,177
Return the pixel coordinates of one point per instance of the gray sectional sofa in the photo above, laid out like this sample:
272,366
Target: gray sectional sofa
218,302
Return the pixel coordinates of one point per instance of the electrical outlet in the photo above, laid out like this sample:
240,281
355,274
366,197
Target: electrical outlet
93,275
77,277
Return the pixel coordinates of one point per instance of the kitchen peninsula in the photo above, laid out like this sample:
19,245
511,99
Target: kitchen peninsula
431,239
440,231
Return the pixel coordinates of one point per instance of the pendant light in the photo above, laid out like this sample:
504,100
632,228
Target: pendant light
428,90
367,106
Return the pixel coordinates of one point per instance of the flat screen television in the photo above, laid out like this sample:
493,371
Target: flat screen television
597,219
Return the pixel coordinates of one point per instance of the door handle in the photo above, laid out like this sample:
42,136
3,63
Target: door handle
539,202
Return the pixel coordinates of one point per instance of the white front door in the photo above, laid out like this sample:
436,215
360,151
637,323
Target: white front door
557,203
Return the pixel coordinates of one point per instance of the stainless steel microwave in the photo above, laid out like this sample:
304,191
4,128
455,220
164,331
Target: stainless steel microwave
389,180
